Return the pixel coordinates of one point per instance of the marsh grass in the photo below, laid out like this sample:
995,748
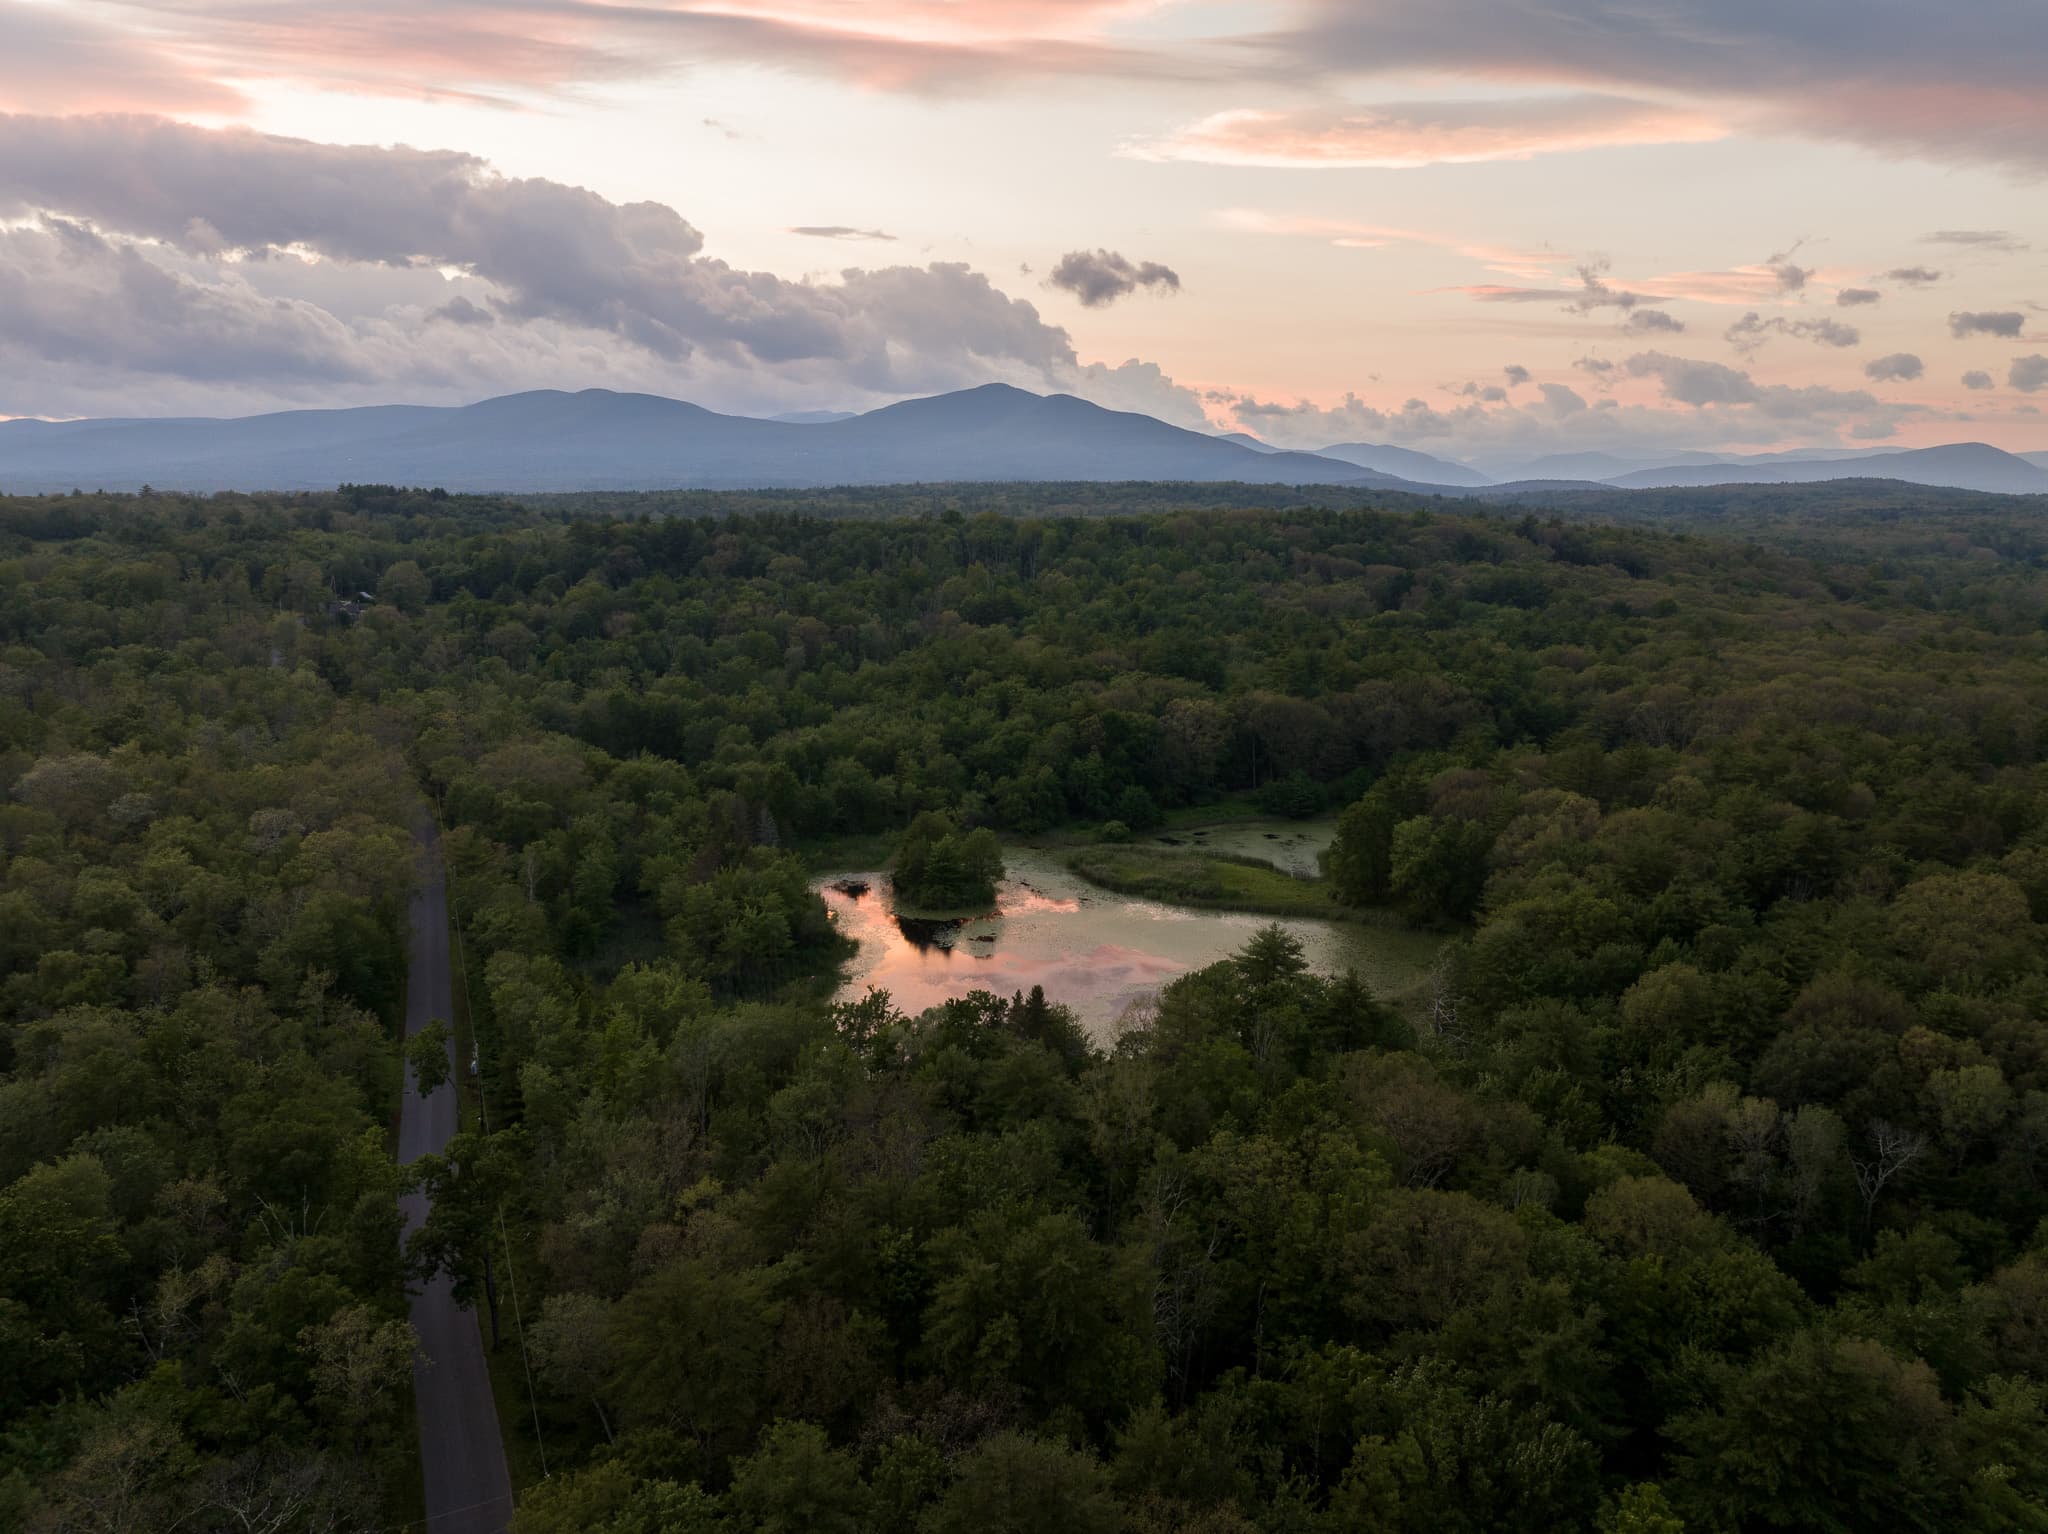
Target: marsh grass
1212,880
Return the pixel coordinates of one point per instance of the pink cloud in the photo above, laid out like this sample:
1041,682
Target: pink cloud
1747,286
1504,293
481,49
1531,263
1952,81
1406,135
1757,284
935,20
1965,120
56,61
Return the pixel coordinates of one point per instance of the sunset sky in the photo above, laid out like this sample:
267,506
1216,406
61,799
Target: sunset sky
1484,228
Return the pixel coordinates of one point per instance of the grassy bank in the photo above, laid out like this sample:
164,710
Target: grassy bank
876,849
1214,881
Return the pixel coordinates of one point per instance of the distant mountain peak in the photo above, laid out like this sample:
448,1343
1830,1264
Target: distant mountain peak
1406,462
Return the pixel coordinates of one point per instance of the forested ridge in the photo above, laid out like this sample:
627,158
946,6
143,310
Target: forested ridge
1703,1191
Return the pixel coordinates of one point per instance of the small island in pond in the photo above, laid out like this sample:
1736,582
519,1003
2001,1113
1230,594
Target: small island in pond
939,867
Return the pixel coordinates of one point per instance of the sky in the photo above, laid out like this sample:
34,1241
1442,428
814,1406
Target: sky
1488,229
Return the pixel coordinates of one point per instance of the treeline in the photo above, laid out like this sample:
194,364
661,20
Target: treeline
1704,1191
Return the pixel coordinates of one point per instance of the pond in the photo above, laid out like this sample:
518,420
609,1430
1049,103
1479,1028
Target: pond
1098,952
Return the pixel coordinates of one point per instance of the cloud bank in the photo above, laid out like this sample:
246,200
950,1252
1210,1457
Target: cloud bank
152,267
1704,404
262,267
1956,82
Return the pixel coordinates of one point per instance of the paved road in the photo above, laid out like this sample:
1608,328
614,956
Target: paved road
468,1488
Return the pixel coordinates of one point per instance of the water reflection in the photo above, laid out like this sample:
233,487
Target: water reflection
940,932
1097,952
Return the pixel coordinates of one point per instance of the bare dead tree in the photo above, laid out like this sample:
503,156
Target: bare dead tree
270,1494
1184,1291
1444,1025
1892,1151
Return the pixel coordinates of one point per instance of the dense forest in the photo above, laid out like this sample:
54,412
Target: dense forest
1703,1191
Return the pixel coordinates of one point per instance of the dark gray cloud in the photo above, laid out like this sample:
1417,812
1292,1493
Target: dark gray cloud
460,311
1915,276
1957,81
1976,239
1517,375
2006,323
1898,367
1690,381
1494,294
2029,375
840,232
1099,277
1653,322
1752,330
1792,277
1693,382
1856,298
1825,332
1977,378
1595,292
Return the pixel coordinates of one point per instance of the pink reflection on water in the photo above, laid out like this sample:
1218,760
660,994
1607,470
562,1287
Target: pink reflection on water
1022,900
921,963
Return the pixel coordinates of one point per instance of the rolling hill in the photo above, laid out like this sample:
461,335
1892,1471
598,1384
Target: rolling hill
1958,465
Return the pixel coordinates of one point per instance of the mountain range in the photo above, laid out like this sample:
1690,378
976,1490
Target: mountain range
601,440
1959,465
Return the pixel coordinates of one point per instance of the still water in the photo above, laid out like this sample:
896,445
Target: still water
1098,952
